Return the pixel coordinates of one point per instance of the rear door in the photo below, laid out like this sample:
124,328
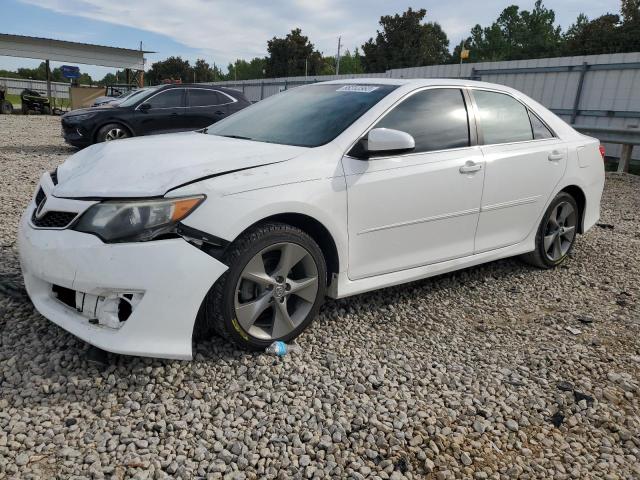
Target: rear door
164,114
205,107
524,163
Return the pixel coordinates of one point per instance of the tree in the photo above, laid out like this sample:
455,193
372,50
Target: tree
590,37
405,42
515,35
243,70
173,68
288,56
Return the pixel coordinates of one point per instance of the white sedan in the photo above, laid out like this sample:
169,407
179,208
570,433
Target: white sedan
331,189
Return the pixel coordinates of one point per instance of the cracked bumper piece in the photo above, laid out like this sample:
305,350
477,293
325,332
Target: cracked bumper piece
129,298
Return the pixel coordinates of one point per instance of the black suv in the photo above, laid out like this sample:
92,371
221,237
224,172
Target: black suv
160,109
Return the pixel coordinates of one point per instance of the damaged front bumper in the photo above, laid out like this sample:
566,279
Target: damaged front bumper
129,298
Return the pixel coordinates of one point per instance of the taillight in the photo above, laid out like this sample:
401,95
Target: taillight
602,151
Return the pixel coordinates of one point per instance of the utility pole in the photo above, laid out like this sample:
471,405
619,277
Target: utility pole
338,58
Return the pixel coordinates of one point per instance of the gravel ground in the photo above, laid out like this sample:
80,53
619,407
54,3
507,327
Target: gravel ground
468,375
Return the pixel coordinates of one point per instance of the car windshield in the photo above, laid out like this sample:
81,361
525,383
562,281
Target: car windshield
307,116
137,95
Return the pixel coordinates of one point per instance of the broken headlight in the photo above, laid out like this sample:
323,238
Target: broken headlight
136,221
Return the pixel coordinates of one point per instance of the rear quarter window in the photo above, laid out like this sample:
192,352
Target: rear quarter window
503,119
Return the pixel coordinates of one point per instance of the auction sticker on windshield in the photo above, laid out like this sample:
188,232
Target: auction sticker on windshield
357,88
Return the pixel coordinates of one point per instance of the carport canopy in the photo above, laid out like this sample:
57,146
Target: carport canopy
71,52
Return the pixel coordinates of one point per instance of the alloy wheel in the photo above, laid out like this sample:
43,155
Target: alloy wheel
560,231
115,134
276,291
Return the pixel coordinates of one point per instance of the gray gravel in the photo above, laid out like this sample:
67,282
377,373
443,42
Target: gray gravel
469,375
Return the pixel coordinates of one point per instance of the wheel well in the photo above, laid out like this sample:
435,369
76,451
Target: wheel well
578,195
315,230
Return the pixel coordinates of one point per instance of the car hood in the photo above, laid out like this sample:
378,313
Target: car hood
151,166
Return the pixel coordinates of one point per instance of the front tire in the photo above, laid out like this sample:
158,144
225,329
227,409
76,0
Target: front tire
273,289
6,107
112,131
556,234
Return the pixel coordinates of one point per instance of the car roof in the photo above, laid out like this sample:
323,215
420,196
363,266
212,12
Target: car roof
420,82
229,91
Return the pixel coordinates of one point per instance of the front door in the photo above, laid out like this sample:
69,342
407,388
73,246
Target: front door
524,163
422,207
163,114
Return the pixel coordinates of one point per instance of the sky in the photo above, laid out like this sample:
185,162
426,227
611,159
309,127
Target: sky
222,30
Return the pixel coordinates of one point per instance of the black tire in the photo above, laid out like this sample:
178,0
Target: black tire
217,313
105,131
46,110
25,109
539,257
6,107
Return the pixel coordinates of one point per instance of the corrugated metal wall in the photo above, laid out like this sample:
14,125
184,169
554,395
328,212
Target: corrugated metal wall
607,87
16,85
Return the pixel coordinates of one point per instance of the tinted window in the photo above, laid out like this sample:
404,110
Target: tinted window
307,116
502,118
437,119
540,130
168,99
199,97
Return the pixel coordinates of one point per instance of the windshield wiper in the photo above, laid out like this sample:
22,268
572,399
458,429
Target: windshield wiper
237,136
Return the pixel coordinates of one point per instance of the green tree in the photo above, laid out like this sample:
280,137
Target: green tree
350,63
173,68
590,37
288,56
405,42
243,70
516,34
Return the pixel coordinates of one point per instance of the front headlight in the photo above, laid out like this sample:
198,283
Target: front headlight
136,221
80,117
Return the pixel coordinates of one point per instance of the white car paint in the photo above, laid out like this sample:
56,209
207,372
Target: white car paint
393,219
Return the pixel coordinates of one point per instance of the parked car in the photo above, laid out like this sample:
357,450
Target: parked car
105,99
331,189
160,109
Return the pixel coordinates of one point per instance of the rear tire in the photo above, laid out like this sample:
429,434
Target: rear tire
46,110
273,289
112,131
556,234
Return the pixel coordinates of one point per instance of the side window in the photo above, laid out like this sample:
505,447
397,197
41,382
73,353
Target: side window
540,130
502,118
436,118
199,97
168,99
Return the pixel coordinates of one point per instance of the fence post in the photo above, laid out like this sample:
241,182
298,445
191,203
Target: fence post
625,159
261,89
576,101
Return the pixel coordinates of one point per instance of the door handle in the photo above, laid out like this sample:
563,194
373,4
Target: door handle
219,112
555,156
470,167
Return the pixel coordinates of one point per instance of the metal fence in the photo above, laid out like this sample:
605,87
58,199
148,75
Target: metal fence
594,90
16,85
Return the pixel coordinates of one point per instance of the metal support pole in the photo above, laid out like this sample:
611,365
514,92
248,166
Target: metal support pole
625,158
261,90
576,101
46,66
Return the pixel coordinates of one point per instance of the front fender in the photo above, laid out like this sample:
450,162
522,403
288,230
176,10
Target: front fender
227,216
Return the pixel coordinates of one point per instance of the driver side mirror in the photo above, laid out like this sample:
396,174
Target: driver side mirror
144,107
383,140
